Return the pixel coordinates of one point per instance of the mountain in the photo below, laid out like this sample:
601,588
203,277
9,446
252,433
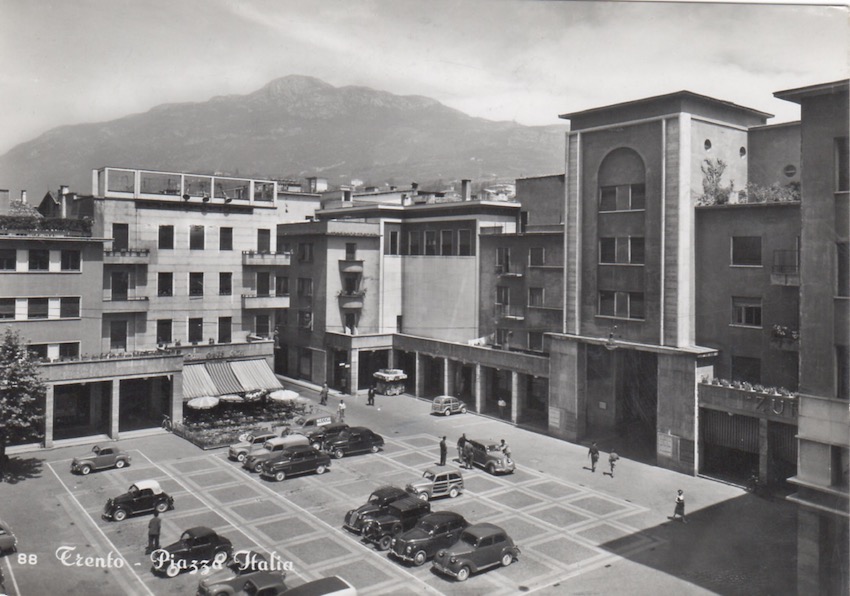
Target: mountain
294,127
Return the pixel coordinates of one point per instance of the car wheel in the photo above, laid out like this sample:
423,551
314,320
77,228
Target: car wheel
375,448
385,542
162,506
453,492
172,571
419,558
463,410
447,412
240,457
220,558
423,495
321,470
338,453
280,476
491,469
120,464
119,515
463,574
258,468
85,470
507,559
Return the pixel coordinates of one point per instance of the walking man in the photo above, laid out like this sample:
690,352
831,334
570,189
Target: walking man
680,507
154,527
612,460
460,443
323,395
593,454
340,411
370,401
443,451
467,455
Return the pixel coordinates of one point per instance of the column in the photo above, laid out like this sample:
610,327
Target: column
764,452
518,395
448,377
420,376
478,387
391,358
177,398
115,409
48,417
354,371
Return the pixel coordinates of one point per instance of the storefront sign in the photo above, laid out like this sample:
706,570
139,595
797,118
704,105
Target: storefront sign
665,445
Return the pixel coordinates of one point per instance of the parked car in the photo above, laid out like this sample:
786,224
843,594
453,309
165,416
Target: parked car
431,533
245,446
488,454
142,497
101,457
436,483
329,432
264,586
446,405
326,586
358,439
254,460
304,424
8,542
196,550
377,502
480,547
244,567
296,460
398,517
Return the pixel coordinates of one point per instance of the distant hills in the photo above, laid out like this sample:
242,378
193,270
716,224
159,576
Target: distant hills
294,127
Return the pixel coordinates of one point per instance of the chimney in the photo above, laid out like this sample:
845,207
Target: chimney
414,185
393,187
24,197
465,190
63,199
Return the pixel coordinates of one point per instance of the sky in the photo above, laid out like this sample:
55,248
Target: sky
73,61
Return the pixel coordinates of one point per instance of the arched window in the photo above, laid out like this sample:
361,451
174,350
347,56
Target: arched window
622,181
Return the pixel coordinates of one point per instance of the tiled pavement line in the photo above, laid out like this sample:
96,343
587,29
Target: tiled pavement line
83,528
12,576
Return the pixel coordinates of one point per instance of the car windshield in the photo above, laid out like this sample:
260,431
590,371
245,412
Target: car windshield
95,449
375,498
427,526
428,475
268,445
134,490
468,538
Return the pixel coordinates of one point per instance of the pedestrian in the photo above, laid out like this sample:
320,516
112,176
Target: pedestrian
468,455
505,449
593,454
443,451
612,460
680,507
370,401
502,405
323,394
343,384
154,527
340,411
460,443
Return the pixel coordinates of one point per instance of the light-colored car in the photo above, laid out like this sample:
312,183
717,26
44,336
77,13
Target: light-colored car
101,457
480,547
436,483
326,586
142,497
245,566
488,454
252,441
254,460
8,542
446,405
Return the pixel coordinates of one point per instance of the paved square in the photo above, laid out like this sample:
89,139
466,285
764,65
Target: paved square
234,493
553,489
318,550
516,499
597,505
286,529
559,517
258,509
562,549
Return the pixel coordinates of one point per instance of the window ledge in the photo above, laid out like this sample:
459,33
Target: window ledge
616,318
623,211
624,264
733,265
741,326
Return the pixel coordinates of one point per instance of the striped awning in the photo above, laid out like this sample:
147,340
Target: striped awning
197,382
222,376
255,374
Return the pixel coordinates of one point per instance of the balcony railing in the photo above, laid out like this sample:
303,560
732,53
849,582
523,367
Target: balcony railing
351,265
786,268
122,304
126,256
508,271
351,299
273,259
253,301
510,311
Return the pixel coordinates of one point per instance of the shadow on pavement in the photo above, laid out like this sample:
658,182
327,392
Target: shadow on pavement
19,469
744,546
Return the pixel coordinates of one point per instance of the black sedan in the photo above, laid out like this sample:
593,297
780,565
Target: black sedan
358,439
197,549
296,460
144,496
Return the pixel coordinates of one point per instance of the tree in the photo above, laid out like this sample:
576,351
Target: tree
22,394
713,191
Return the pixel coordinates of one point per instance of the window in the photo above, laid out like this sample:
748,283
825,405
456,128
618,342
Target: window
746,369
843,273
606,303
262,325
350,251
8,258
842,372
305,319
305,252
393,247
224,332
503,295
608,198
165,284
842,164
39,260
70,260
196,330
503,337
118,335
535,341
7,308
535,296
225,283
607,250
413,242
430,242
264,284
536,256
120,281
37,308
196,237
69,308
166,238
637,196
196,284
464,243
305,286
264,241
636,305
746,311
163,331
281,284
69,350
225,239
120,236
446,242
37,351
503,259
840,467
746,251
636,252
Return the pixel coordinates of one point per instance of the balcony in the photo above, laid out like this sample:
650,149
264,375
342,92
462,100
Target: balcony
784,338
127,256
254,302
508,271
786,268
352,299
510,311
126,305
351,266
267,259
